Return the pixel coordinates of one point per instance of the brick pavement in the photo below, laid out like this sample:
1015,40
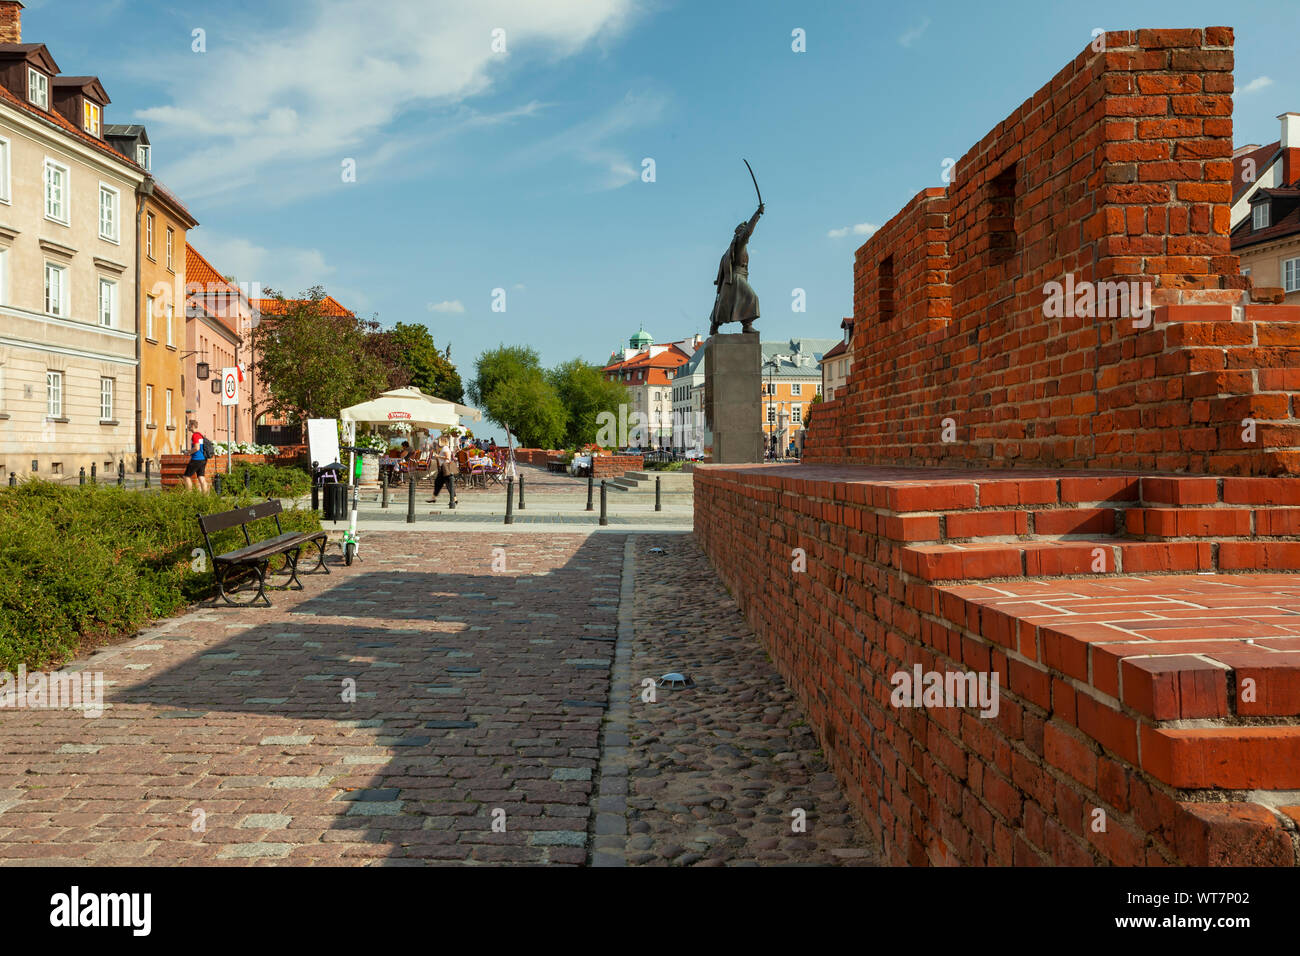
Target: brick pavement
226,738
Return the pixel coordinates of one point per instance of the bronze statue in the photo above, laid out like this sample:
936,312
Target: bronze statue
736,300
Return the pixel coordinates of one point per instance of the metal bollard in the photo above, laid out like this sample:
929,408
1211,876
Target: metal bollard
659,505
510,501
383,488
92,473
604,504
248,477
81,478
521,492
217,482
148,463
315,487
13,479
451,493
121,473
590,481
410,500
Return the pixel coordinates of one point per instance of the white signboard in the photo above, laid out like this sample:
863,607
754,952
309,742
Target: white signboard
229,386
323,440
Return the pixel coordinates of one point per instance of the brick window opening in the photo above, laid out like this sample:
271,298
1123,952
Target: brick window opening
1002,215
885,289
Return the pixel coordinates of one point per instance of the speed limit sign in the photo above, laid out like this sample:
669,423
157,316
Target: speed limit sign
229,386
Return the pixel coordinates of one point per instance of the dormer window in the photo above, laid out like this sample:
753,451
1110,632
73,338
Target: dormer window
90,117
142,157
38,88
1259,216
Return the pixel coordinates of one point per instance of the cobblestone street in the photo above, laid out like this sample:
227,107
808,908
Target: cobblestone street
422,706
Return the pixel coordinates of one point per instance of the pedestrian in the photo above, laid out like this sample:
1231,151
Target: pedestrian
196,470
446,475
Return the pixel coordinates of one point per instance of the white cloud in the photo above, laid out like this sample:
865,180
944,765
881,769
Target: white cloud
449,305
1258,83
268,107
861,229
914,34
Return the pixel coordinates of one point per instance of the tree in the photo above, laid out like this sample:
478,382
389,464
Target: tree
510,386
314,364
584,393
428,369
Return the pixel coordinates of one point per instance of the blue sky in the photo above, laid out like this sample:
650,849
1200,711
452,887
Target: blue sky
477,170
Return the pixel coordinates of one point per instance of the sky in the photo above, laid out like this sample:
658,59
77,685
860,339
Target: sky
500,148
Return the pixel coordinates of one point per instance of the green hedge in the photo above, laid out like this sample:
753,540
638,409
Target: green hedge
270,481
664,465
81,565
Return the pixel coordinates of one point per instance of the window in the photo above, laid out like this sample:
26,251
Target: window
90,117
170,233
107,303
1259,216
1291,275
4,170
771,414
108,212
148,404
796,414
148,234
105,399
1246,271
142,156
148,316
884,293
54,394
38,88
1002,217
56,191
56,290
167,410
795,388
169,325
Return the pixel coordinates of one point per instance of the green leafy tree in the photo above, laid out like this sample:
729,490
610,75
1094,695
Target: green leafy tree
510,386
314,364
584,393
429,370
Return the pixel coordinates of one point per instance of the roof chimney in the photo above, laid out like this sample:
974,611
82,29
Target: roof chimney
1290,146
11,21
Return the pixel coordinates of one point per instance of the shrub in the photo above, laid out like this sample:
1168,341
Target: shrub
270,481
664,465
82,565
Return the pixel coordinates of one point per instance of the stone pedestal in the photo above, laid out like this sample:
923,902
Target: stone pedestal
733,397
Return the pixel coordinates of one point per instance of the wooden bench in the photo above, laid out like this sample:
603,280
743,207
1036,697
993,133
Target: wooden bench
254,559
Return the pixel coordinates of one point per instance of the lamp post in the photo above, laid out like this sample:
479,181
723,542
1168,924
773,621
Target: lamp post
770,424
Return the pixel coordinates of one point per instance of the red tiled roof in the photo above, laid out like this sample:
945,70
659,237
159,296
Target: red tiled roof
329,306
198,269
669,358
55,118
1260,157
838,349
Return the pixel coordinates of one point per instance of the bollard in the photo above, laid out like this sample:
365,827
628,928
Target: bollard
81,478
121,473
139,464
410,500
590,481
248,477
510,501
521,491
315,486
13,479
604,504
451,493
217,482
383,487
659,505
147,467
92,473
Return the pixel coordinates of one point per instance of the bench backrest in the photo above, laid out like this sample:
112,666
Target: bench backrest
222,520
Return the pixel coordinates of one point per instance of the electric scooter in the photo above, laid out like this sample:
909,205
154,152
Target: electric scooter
351,541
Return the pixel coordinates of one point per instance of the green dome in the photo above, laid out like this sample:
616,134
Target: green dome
640,339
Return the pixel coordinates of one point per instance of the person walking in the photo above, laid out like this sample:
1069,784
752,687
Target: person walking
196,470
445,473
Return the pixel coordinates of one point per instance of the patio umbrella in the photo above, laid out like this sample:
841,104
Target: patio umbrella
408,406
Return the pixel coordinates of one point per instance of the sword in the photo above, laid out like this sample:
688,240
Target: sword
751,176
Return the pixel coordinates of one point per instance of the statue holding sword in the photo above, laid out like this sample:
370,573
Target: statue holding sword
736,300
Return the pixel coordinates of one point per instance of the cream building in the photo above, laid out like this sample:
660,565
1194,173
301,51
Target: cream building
67,270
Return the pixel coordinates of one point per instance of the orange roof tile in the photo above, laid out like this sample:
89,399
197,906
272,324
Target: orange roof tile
329,306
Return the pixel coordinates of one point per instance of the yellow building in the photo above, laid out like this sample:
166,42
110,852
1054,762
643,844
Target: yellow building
161,224
792,376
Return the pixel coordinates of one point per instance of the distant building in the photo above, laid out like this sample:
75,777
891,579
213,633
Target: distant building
792,375
689,428
1266,210
646,370
836,363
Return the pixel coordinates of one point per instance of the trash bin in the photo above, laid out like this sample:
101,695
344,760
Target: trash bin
335,505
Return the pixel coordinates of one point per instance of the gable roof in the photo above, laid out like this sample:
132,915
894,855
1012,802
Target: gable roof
56,119
31,52
1260,156
88,85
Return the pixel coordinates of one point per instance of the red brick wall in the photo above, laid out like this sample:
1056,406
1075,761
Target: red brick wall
1091,718
1119,170
615,466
